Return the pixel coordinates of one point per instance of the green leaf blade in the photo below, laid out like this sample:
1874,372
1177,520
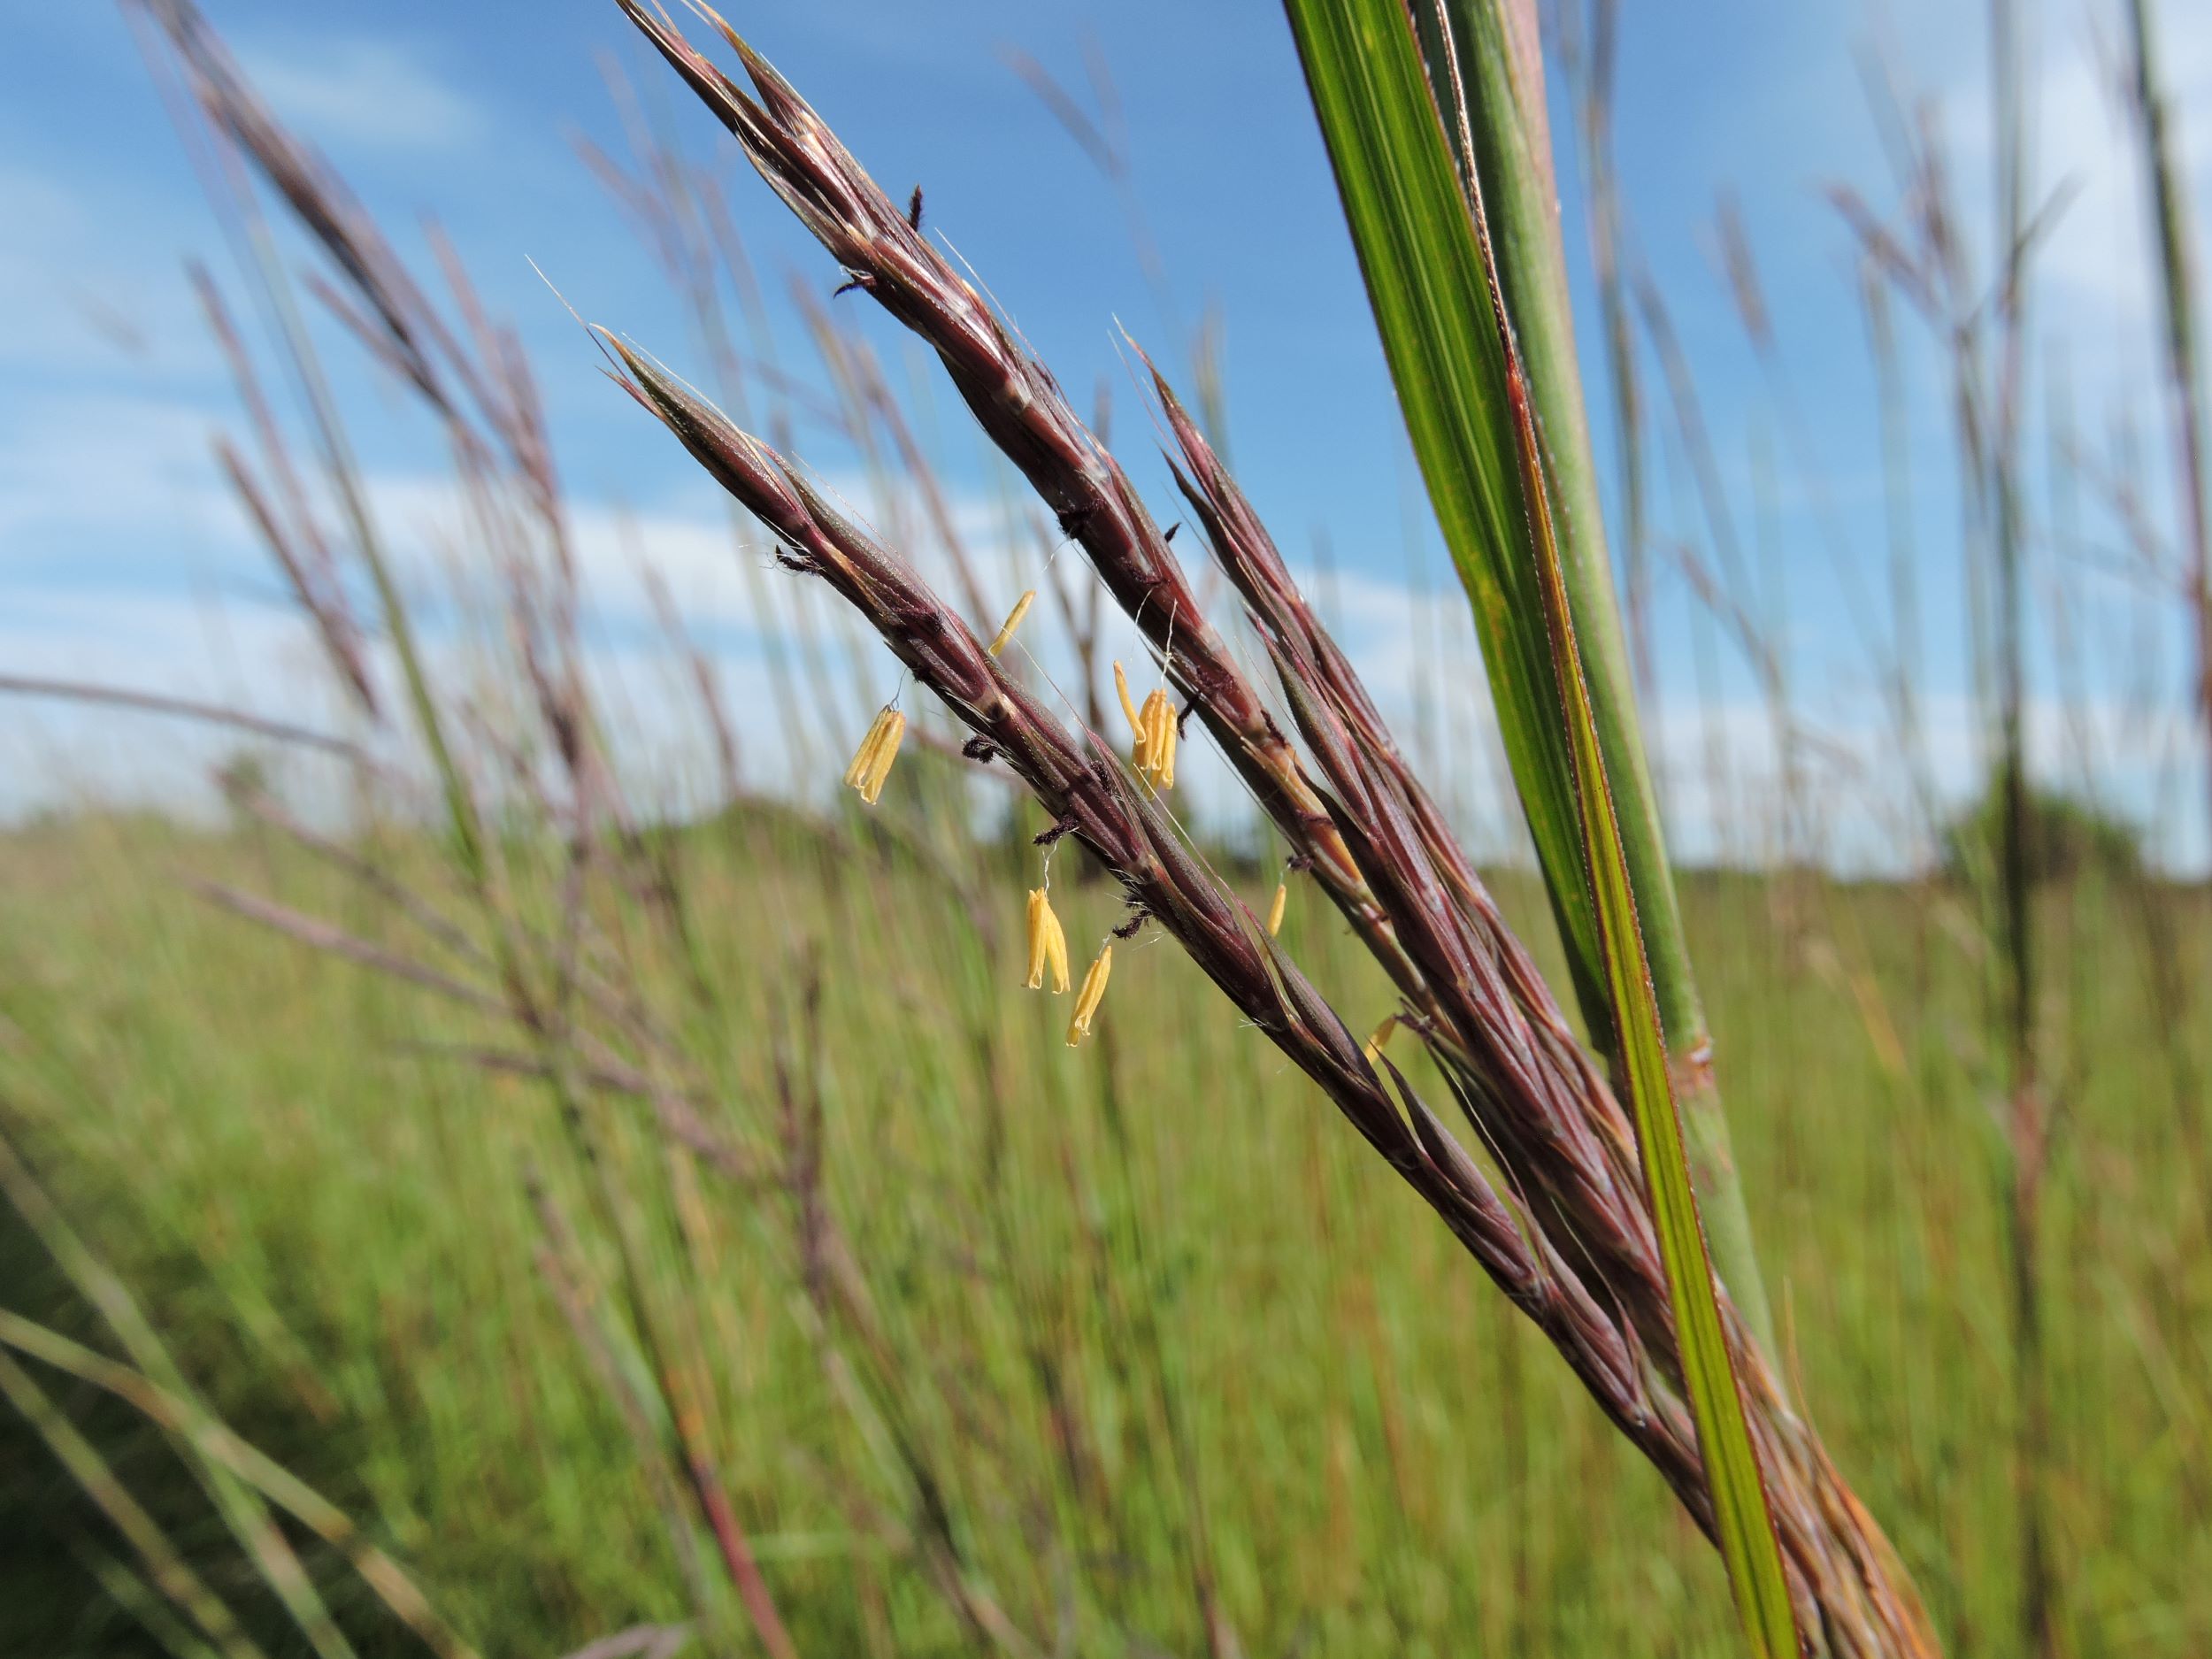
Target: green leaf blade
1432,282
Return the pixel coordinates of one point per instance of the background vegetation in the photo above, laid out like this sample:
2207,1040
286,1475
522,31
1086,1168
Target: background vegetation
832,1304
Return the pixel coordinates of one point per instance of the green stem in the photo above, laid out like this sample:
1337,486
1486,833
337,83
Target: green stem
1449,383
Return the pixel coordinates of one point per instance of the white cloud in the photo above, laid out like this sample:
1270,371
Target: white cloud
83,472
366,93
99,476
1718,766
2096,263
80,286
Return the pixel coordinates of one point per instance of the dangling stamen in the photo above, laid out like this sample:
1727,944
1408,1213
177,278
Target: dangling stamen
1275,910
1087,999
1375,1044
871,765
1048,944
1157,761
1129,708
1013,620
1154,728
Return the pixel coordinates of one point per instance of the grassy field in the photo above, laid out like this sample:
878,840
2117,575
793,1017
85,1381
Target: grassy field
644,1234
1145,1330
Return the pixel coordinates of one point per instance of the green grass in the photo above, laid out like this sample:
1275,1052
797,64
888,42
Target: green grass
1132,1297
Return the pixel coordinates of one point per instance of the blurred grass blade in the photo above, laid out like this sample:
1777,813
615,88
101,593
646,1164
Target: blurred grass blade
241,1509
214,1440
164,1563
1435,283
2168,178
1378,87
131,1593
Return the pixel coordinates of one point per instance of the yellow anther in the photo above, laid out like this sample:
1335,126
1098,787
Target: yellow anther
1048,945
871,765
1013,620
1275,910
1155,752
1129,704
1374,1046
1087,1000
1156,729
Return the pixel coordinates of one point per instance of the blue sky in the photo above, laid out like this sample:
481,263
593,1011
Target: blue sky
121,560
